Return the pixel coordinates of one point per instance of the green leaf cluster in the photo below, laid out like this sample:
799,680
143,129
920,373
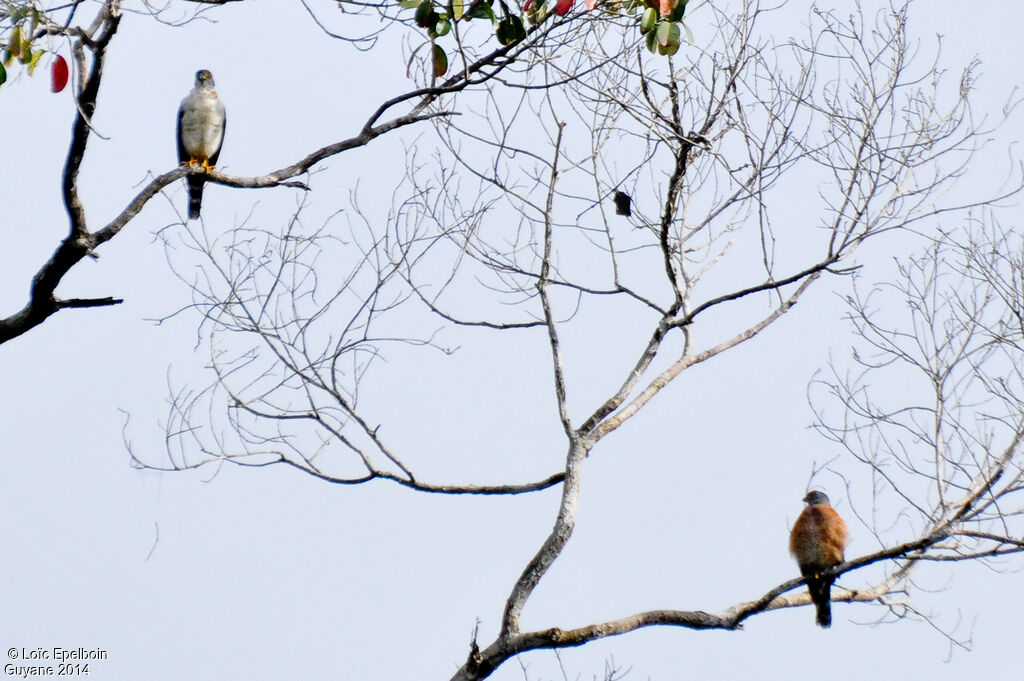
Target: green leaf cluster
18,45
662,34
660,20
438,18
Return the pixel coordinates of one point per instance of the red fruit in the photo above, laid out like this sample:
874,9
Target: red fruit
563,7
591,4
58,74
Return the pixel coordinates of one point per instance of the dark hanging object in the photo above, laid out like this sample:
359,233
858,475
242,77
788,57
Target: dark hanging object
622,201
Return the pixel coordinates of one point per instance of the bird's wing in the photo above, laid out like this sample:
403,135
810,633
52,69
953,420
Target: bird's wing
183,154
223,129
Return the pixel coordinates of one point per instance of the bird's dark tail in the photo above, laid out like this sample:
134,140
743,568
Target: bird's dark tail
195,196
821,596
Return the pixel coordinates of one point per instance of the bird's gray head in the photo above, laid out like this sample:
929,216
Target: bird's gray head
204,78
815,497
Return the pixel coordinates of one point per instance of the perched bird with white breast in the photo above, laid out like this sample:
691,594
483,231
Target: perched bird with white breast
201,125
